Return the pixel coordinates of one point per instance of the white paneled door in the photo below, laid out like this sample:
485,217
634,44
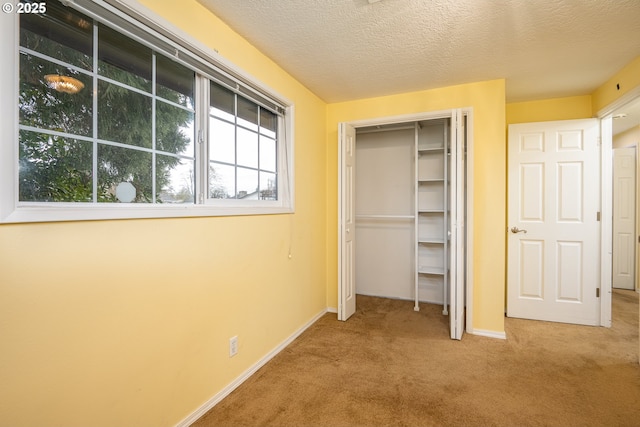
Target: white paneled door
553,230
624,217
347,229
457,231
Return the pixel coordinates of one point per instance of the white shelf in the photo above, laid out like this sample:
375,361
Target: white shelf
431,246
431,240
435,271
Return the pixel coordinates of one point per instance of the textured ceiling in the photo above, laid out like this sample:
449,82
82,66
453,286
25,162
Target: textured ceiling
351,49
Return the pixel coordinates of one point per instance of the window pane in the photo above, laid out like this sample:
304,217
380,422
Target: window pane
268,187
268,123
123,115
175,132
222,102
175,179
247,184
44,107
222,181
121,165
54,169
222,141
61,33
247,148
267,154
247,114
174,82
124,60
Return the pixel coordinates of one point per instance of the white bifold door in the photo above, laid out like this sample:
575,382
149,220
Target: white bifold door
440,284
346,226
457,225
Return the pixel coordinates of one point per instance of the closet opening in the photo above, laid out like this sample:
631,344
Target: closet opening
403,213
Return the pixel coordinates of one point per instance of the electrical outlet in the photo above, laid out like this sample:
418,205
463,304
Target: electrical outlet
233,346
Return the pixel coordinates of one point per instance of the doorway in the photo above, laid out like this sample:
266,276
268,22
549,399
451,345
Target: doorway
611,119
625,126
622,120
624,217
376,214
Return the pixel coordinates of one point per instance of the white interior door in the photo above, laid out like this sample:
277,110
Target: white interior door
624,217
346,229
457,209
553,213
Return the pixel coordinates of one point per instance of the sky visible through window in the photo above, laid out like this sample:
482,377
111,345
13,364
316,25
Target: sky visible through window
250,147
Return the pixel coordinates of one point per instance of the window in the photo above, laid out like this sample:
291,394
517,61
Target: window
242,153
111,120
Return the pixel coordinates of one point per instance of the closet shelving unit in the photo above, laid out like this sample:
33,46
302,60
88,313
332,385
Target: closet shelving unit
431,217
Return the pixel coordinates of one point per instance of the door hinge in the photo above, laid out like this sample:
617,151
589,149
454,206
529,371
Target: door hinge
597,216
597,292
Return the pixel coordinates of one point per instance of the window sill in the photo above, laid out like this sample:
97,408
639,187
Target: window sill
89,212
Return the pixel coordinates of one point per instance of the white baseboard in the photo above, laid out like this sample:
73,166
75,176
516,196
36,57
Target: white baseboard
332,310
217,398
490,334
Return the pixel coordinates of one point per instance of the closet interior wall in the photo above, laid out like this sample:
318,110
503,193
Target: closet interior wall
401,211
384,207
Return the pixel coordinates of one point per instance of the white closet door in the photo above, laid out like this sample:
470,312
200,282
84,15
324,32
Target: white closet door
457,210
347,230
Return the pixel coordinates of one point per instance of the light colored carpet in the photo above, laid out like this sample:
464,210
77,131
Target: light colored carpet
391,366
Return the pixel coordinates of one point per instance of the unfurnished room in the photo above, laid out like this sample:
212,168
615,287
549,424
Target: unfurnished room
319,213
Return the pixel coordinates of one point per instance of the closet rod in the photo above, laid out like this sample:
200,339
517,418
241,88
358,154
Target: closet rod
384,129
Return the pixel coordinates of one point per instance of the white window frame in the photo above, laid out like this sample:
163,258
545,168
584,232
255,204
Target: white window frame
13,211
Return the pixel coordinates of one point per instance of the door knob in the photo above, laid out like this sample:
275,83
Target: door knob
516,230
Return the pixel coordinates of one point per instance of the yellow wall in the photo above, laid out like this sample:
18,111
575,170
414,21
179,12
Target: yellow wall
575,107
628,78
628,138
114,323
489,163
